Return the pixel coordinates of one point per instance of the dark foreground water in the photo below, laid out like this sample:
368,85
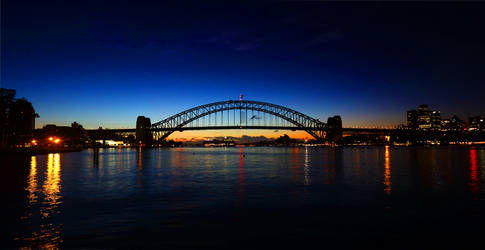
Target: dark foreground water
245,198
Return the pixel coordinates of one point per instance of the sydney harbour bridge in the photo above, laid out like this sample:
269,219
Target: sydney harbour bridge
241,114
238,114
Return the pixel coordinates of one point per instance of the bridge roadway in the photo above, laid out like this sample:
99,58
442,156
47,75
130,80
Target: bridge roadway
344,130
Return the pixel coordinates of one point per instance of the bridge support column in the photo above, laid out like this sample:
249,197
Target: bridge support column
144,135
334,129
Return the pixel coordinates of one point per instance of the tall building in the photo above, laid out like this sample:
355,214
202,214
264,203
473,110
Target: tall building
424,117
435,120
412,119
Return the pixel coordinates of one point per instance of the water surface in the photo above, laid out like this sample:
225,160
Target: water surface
245,197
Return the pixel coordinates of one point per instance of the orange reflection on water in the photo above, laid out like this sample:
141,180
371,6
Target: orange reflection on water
140,168
32,181
51,185
387,171
49,234
139,158
179,158
473,184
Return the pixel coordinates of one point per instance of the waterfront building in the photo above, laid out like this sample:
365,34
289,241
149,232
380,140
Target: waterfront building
74,135
412,119
436,120
445,124
474,122
17,119
424,117
456,123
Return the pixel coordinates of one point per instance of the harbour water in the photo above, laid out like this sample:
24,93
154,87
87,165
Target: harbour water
245,197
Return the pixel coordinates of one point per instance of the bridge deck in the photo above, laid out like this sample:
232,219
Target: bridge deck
348,130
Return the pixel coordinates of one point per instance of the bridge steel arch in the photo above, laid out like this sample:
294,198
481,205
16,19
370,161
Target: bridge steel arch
164,128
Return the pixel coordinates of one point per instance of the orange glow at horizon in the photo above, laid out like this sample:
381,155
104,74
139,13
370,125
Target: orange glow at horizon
270,134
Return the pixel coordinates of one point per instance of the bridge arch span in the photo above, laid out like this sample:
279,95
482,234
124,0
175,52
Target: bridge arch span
179,121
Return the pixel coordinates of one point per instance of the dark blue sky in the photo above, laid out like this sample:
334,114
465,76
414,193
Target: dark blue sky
103,63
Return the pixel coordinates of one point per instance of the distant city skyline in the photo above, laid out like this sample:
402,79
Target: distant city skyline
102,64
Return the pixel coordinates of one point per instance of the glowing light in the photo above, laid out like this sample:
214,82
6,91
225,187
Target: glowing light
51,138
34,142
57,140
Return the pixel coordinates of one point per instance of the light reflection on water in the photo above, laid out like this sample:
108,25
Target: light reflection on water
241,183
474,171
306,168
132,188
387,172
32,181
44,202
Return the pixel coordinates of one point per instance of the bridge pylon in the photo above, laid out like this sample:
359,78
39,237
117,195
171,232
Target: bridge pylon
334,129
143,132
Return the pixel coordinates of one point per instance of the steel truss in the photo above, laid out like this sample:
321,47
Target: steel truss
178,122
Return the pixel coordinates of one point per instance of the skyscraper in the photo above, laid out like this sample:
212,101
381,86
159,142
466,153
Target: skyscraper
413,119
435,120
424,117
